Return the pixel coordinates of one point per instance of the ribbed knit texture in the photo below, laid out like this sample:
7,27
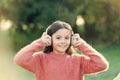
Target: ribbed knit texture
54,66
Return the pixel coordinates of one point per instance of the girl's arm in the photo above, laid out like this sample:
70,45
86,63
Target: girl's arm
94,61
25,57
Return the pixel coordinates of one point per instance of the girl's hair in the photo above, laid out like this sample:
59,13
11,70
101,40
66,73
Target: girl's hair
55,26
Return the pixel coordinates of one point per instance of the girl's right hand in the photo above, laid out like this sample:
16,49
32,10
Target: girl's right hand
76,40
46,39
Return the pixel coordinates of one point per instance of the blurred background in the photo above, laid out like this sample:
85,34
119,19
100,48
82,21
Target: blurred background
22,21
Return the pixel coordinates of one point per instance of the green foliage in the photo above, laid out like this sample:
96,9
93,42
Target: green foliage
102,21
20,39
31,17
34,16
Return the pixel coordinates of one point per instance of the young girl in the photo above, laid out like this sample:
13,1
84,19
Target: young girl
51,56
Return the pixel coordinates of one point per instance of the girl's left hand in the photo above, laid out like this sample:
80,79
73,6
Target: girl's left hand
76,40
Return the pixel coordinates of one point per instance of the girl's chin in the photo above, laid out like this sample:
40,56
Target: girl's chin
61,51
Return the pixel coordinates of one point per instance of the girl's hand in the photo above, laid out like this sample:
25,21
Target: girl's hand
76,40
46,39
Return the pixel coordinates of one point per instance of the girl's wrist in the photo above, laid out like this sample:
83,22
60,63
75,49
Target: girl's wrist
43,42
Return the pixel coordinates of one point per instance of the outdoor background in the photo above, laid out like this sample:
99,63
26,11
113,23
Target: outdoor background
22,21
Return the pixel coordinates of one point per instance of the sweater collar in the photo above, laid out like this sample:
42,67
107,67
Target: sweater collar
58,55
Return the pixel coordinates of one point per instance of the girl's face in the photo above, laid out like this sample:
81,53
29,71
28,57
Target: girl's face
61,41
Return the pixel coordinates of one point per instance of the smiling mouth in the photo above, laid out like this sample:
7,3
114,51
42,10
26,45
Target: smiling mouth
63,46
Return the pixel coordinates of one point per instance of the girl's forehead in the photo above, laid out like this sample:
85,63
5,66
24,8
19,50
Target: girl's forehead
62,32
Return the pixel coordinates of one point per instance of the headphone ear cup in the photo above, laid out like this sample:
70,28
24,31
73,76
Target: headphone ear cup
71,41
51,41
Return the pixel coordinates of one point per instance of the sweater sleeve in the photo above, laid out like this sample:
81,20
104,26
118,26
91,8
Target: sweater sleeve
94,61
25,58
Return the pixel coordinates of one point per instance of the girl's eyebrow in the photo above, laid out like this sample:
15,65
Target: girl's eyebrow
60,35
57,35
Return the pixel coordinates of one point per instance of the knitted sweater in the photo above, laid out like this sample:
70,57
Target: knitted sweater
60,66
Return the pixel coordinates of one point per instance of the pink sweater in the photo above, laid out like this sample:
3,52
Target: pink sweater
60,67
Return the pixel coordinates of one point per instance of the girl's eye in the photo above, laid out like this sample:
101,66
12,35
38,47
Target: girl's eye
57,37
67,37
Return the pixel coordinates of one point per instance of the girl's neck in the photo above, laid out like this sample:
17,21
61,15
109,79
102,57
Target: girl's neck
60,53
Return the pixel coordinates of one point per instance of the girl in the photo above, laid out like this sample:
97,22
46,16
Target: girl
55,60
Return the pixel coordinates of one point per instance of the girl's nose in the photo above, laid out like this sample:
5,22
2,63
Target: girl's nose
63,41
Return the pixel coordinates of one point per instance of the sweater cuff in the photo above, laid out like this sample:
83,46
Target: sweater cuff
37,44
86,49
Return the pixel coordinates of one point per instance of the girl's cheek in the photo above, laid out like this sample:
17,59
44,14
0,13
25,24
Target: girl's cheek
68,41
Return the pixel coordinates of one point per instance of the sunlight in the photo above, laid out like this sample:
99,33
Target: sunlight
5,24
80,20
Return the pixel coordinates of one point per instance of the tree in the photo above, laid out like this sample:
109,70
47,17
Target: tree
31,17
